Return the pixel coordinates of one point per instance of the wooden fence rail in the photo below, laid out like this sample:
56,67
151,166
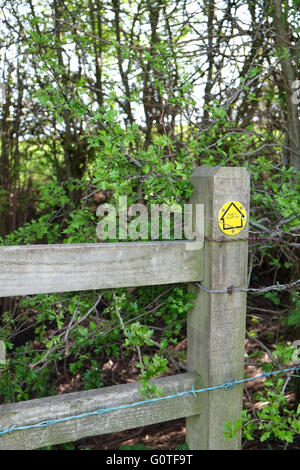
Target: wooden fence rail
37,269
44,409
215,326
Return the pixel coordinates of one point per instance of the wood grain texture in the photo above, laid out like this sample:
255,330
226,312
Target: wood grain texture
216,324
37,269
38,410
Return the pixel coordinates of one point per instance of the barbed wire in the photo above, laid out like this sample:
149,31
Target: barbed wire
100,411
229,290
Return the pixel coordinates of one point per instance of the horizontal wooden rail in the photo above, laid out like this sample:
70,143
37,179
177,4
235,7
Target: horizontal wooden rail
60,406
38,269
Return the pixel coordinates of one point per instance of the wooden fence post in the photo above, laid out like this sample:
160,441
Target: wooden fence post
216,324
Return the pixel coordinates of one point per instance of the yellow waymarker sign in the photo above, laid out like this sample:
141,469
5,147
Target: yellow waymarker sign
232,218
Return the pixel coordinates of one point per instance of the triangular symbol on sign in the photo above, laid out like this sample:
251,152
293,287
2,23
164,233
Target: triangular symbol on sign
232,217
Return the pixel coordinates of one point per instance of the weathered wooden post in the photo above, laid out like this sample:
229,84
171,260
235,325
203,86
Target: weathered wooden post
216,324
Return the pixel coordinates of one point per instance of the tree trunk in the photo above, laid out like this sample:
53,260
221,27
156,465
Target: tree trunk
281,28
